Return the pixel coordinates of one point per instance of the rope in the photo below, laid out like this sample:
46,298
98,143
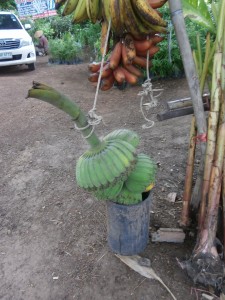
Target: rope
170,42
92,118
83,128
148,92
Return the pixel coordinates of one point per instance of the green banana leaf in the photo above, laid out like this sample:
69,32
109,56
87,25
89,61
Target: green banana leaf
199,11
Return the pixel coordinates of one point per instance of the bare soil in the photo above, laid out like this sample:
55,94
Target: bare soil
53,235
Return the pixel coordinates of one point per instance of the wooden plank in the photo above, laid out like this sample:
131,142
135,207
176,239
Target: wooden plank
177,113
185,102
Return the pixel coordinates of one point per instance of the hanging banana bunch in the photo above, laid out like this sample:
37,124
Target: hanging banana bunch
111,169
135,26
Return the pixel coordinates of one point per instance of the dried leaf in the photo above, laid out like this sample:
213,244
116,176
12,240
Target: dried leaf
142,266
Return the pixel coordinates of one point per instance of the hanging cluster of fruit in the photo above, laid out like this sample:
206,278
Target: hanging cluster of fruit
135,26
111,168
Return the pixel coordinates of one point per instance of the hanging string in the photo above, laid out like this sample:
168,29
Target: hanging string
170,42
148,92
93,118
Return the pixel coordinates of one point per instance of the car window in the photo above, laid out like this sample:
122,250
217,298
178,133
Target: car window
9,22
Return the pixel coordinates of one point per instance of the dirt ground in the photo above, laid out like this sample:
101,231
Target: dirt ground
53,242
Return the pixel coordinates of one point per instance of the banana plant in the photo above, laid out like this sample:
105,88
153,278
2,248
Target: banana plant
205,265
111,169
202,12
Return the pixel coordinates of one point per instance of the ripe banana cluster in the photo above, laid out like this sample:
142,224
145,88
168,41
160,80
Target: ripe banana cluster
113,170
132,21
139,17
126,61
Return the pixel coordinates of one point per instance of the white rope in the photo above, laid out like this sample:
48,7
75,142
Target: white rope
94,119
148,92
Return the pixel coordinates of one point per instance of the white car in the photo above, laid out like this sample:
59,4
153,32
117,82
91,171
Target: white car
16,45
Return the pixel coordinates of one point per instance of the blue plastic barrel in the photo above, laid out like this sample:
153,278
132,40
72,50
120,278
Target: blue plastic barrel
128,226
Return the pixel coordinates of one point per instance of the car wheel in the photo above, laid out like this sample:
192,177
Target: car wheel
31,67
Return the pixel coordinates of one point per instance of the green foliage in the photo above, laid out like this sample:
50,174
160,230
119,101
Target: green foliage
7,5
168,62
65,50
200,12
42,24
60,30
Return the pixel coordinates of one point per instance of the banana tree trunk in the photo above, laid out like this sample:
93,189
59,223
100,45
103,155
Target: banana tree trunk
189,67
194,87
185,220
205,265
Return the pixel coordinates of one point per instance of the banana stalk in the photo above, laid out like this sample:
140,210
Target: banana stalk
213,116
45,93
185,221
205,265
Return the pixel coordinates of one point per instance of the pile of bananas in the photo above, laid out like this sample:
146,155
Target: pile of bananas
113,170
135,25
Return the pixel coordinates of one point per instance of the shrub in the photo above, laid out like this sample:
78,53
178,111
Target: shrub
65,50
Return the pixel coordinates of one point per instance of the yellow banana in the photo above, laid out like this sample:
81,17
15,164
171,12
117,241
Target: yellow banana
115,17
80,13
93,7
104,30
106,10
69,7
131,22
146,12
150,187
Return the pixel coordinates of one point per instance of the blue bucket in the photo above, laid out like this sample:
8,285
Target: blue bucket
128,226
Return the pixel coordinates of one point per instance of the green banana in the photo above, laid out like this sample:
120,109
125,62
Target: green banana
122,160
128,150
112,168
93,7
80,173
125,197
92,171
80,13
142,175
126,135
109,193
69,7
101,170
117,163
